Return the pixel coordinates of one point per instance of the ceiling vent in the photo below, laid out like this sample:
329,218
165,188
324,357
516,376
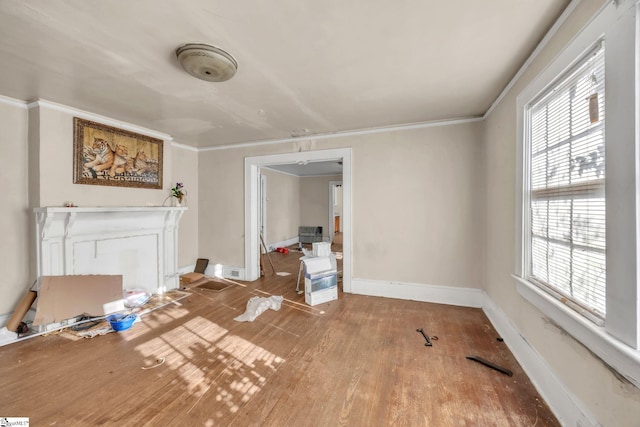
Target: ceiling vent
206,62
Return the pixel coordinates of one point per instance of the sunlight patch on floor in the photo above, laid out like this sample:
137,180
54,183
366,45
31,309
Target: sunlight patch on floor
155,319
208,359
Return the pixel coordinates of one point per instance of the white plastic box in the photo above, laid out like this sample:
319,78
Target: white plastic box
321,249
320,287
320,279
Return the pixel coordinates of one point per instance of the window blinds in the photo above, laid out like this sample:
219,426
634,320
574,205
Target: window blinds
566,165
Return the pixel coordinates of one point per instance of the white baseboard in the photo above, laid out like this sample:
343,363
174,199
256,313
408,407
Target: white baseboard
569,410
218,270
465,297
282,244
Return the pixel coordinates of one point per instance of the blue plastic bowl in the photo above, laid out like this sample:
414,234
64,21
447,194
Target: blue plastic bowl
121,322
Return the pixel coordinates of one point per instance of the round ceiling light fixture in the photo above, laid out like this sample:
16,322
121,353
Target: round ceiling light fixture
206,62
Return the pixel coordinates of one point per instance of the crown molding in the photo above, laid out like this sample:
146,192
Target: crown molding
43,103
184,146
13,102
343,134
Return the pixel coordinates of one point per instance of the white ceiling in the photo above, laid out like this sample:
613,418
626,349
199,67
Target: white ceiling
305,67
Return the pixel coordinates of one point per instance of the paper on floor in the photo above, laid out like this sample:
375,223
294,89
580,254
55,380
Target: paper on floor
258,305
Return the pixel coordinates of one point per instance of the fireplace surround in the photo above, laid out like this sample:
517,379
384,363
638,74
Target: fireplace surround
139,243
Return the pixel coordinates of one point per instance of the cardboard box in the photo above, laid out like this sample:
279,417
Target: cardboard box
190,277
65,297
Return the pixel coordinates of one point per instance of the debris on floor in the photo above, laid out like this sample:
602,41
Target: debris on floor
135,297
64,297
7,336
89,327
258,305
427,338
490,365
159,362
122,322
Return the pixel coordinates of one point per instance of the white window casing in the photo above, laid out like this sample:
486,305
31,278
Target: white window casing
607,321
565,250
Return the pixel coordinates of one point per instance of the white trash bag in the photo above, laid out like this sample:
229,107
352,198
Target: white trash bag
258,305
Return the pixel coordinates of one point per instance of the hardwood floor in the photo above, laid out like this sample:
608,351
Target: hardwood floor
357,361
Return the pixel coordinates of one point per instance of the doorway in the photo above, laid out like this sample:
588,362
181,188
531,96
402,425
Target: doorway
335,208
252,204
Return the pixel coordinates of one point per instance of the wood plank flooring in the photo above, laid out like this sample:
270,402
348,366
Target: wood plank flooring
357,361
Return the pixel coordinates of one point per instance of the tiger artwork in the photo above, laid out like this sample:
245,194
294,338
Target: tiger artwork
128,167
104,155
141,164
119,160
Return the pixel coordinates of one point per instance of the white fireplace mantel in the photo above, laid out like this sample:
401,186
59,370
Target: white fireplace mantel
140,243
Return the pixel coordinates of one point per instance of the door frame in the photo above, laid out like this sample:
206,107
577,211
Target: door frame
332,201
262,207
252,181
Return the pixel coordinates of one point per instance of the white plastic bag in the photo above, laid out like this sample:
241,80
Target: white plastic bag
135,297
258,305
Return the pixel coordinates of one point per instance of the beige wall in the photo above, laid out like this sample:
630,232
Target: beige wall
221,204
314,199
185,170
417,203
283,206
55,173
15,220
40,171
56,170
612,402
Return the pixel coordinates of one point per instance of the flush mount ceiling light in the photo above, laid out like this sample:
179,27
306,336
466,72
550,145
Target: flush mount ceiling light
206,62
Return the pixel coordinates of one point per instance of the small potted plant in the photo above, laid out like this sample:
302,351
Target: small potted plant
178,193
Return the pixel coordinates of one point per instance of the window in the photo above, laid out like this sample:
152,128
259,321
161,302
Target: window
578,236
565,140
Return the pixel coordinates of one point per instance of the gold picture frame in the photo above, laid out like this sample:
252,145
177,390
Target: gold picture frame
105,155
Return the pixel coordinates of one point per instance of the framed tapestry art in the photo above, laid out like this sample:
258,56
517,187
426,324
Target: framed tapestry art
105,155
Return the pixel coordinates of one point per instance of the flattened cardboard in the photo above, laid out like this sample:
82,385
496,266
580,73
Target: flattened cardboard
65,297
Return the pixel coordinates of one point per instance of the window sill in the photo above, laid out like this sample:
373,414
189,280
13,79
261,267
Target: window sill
622,358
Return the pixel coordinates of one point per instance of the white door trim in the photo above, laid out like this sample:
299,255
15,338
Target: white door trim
252,167
332,202
263,207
